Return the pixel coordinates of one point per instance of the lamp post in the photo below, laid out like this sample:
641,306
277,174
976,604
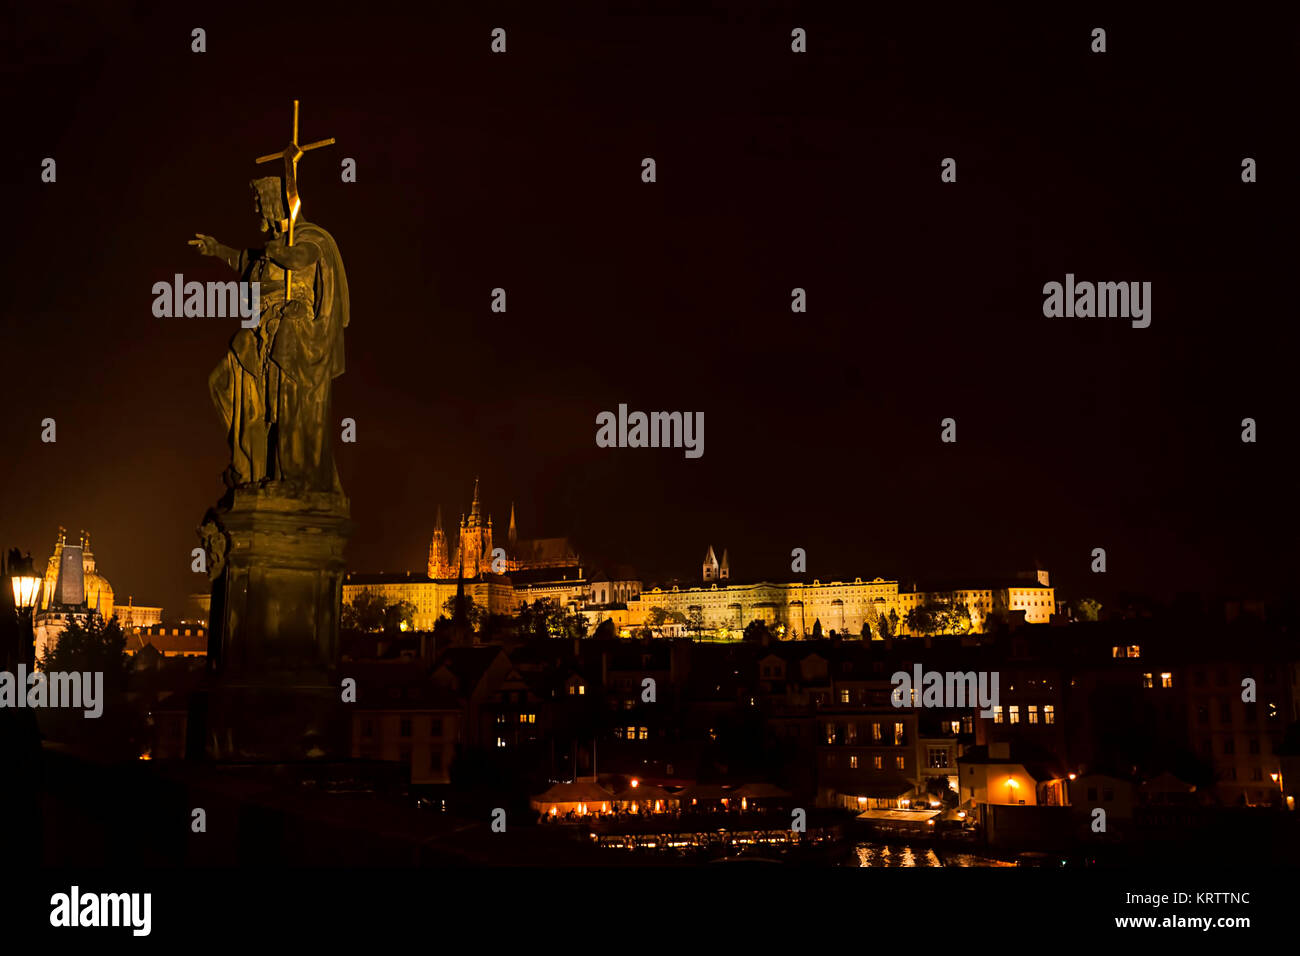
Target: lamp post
26,588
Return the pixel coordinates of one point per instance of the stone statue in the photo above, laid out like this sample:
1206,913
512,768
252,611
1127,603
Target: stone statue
273,386
275,541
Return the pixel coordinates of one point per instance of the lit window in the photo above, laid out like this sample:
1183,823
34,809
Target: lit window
844,695
898,733
875,731
853,762
879,762
1015,713
1033,713
898,762
1049,714
1166,680
1148,680
997,714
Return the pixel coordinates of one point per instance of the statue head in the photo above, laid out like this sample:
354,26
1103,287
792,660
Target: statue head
268,195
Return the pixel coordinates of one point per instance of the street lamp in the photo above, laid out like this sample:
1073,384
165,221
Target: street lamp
26,593
27,589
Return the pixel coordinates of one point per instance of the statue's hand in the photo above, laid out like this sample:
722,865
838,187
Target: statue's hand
207,245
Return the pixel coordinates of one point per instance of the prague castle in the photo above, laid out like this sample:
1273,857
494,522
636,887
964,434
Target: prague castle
549,568
473,551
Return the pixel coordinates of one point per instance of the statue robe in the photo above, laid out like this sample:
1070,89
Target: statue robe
273,388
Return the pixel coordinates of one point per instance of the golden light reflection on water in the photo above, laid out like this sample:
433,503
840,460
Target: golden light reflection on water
877,854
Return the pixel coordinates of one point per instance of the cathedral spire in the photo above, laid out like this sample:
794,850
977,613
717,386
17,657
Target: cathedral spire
473,508
512,536
437,524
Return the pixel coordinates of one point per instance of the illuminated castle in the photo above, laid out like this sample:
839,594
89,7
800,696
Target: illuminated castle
472,553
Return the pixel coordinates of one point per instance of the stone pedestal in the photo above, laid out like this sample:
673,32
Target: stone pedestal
276,561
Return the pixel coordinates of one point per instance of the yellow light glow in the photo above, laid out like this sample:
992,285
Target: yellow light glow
1072,776
1012,783
26,590
636,783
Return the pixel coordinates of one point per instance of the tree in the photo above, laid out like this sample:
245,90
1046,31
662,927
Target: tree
1087,609
817,630
695,620
920,619
545,618
365,613
958,618
94,646
605,630
395,615
757,632
473,613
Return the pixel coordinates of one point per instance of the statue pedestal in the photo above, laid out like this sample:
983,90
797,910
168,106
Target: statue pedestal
276,558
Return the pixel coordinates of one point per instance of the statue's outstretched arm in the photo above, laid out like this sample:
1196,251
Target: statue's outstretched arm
210,247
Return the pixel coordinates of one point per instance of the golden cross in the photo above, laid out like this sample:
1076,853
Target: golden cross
291,154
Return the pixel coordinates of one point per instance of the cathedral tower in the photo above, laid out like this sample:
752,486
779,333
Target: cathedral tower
439,557
710,565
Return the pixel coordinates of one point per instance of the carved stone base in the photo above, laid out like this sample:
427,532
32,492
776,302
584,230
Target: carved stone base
276,560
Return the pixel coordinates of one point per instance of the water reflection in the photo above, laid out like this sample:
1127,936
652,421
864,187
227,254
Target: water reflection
884,854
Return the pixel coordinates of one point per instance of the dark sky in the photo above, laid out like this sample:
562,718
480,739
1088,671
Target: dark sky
774,171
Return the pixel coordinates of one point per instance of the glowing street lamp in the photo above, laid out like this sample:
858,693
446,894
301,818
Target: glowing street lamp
27,590
26,594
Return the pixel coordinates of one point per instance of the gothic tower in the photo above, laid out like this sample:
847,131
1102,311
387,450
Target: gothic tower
475,545
710,565
439,558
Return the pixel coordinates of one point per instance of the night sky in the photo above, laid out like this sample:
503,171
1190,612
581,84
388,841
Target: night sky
775,170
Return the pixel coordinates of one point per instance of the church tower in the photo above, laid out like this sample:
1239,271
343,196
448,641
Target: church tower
475,544
439,558
724,572
710,565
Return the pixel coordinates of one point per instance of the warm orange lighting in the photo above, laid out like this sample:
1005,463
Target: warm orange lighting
554,811
636,783
1072,776
1012,783
27,590
744,803
146,756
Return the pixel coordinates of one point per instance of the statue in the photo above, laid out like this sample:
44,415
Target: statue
275,541
272,389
